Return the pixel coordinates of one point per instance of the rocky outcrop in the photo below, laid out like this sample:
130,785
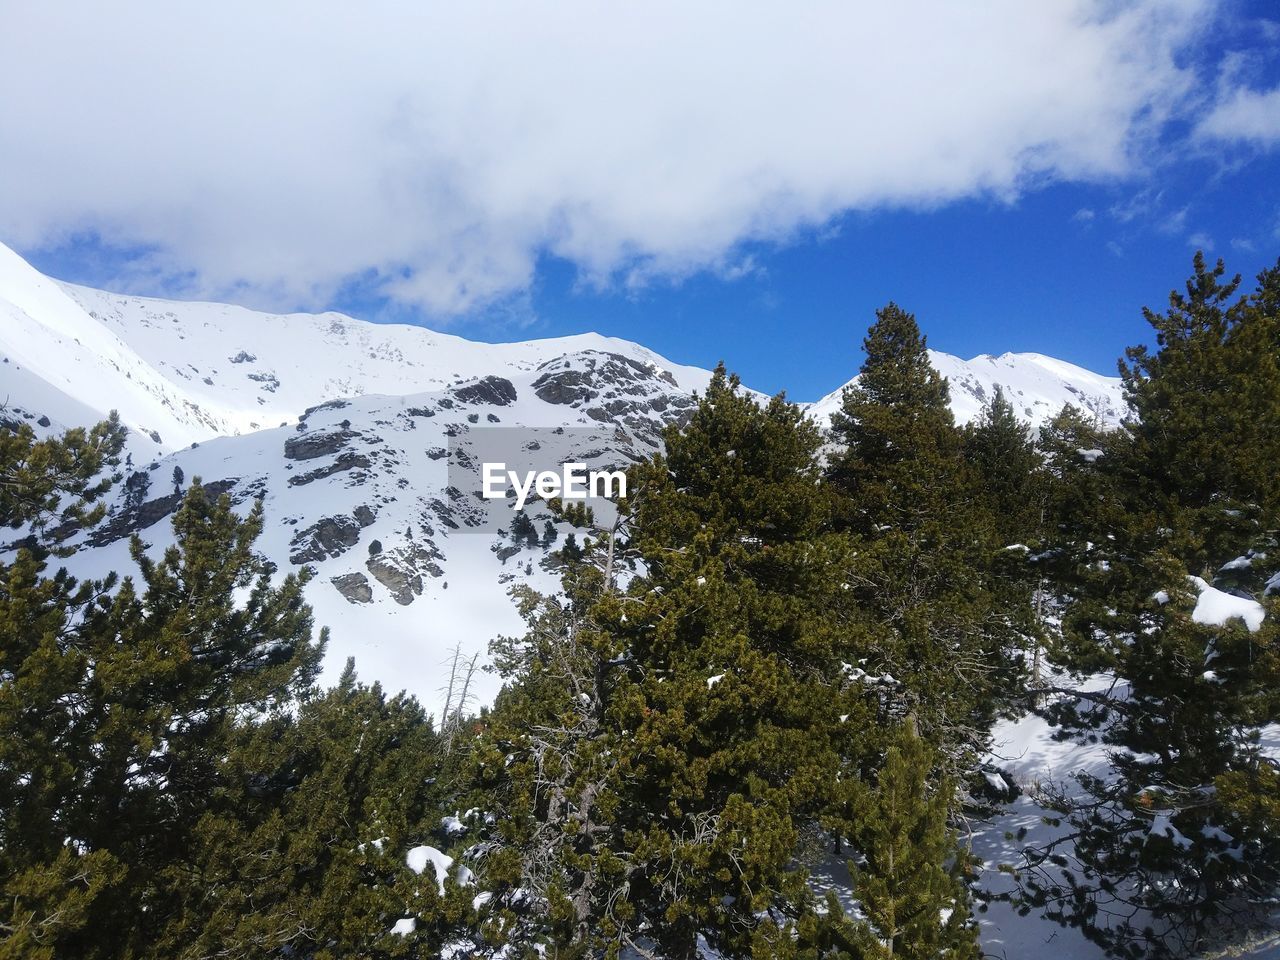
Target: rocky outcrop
564,387
270,382
495,391
324,540
611,388
346,462
354,586
401,570
312,445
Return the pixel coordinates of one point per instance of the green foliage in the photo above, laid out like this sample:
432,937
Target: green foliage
735,724
523,532
910,880
898,435
303,845
922,572
127,708
57,478
116,707
1006,470
661,748
1178,847
1204,442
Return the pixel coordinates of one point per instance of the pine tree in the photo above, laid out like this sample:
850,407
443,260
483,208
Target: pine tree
1206,404
523,532
548,761
896,428
664,747
1006,471
136,487
734,724
59,478
52,889
303,849
1173,849
1177,847
921,574
1010,494
571,551
909,880
115,705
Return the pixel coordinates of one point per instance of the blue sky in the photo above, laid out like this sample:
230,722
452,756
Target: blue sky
754,205
981,277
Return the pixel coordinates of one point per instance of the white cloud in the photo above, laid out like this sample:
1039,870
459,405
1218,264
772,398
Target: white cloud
272,152
1239,111
1083,215
1175,221
1201,241
1244,114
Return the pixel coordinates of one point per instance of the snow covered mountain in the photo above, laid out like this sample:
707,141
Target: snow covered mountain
342,427
1036,385
184,372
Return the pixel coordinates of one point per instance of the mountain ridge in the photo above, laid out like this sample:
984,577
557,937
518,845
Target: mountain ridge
188,371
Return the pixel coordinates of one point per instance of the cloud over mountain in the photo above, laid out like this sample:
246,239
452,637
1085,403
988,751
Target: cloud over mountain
275,152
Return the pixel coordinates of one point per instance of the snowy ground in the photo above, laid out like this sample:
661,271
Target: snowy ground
1025,750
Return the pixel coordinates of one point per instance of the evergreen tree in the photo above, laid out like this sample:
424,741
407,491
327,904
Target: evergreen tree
896,429
1005,468
738,640
1177,847
1011,491
302,852
921,574
523,532
136,487
61,478
1205,408
664,747
116,702
909,882
571,551
548,762
52,888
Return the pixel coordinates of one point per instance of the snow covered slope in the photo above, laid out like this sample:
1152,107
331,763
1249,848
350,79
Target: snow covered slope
248,370
60,363
180,372
1036,385
363,492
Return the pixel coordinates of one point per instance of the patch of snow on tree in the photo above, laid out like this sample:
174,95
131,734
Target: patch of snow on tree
1215,608
418,858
